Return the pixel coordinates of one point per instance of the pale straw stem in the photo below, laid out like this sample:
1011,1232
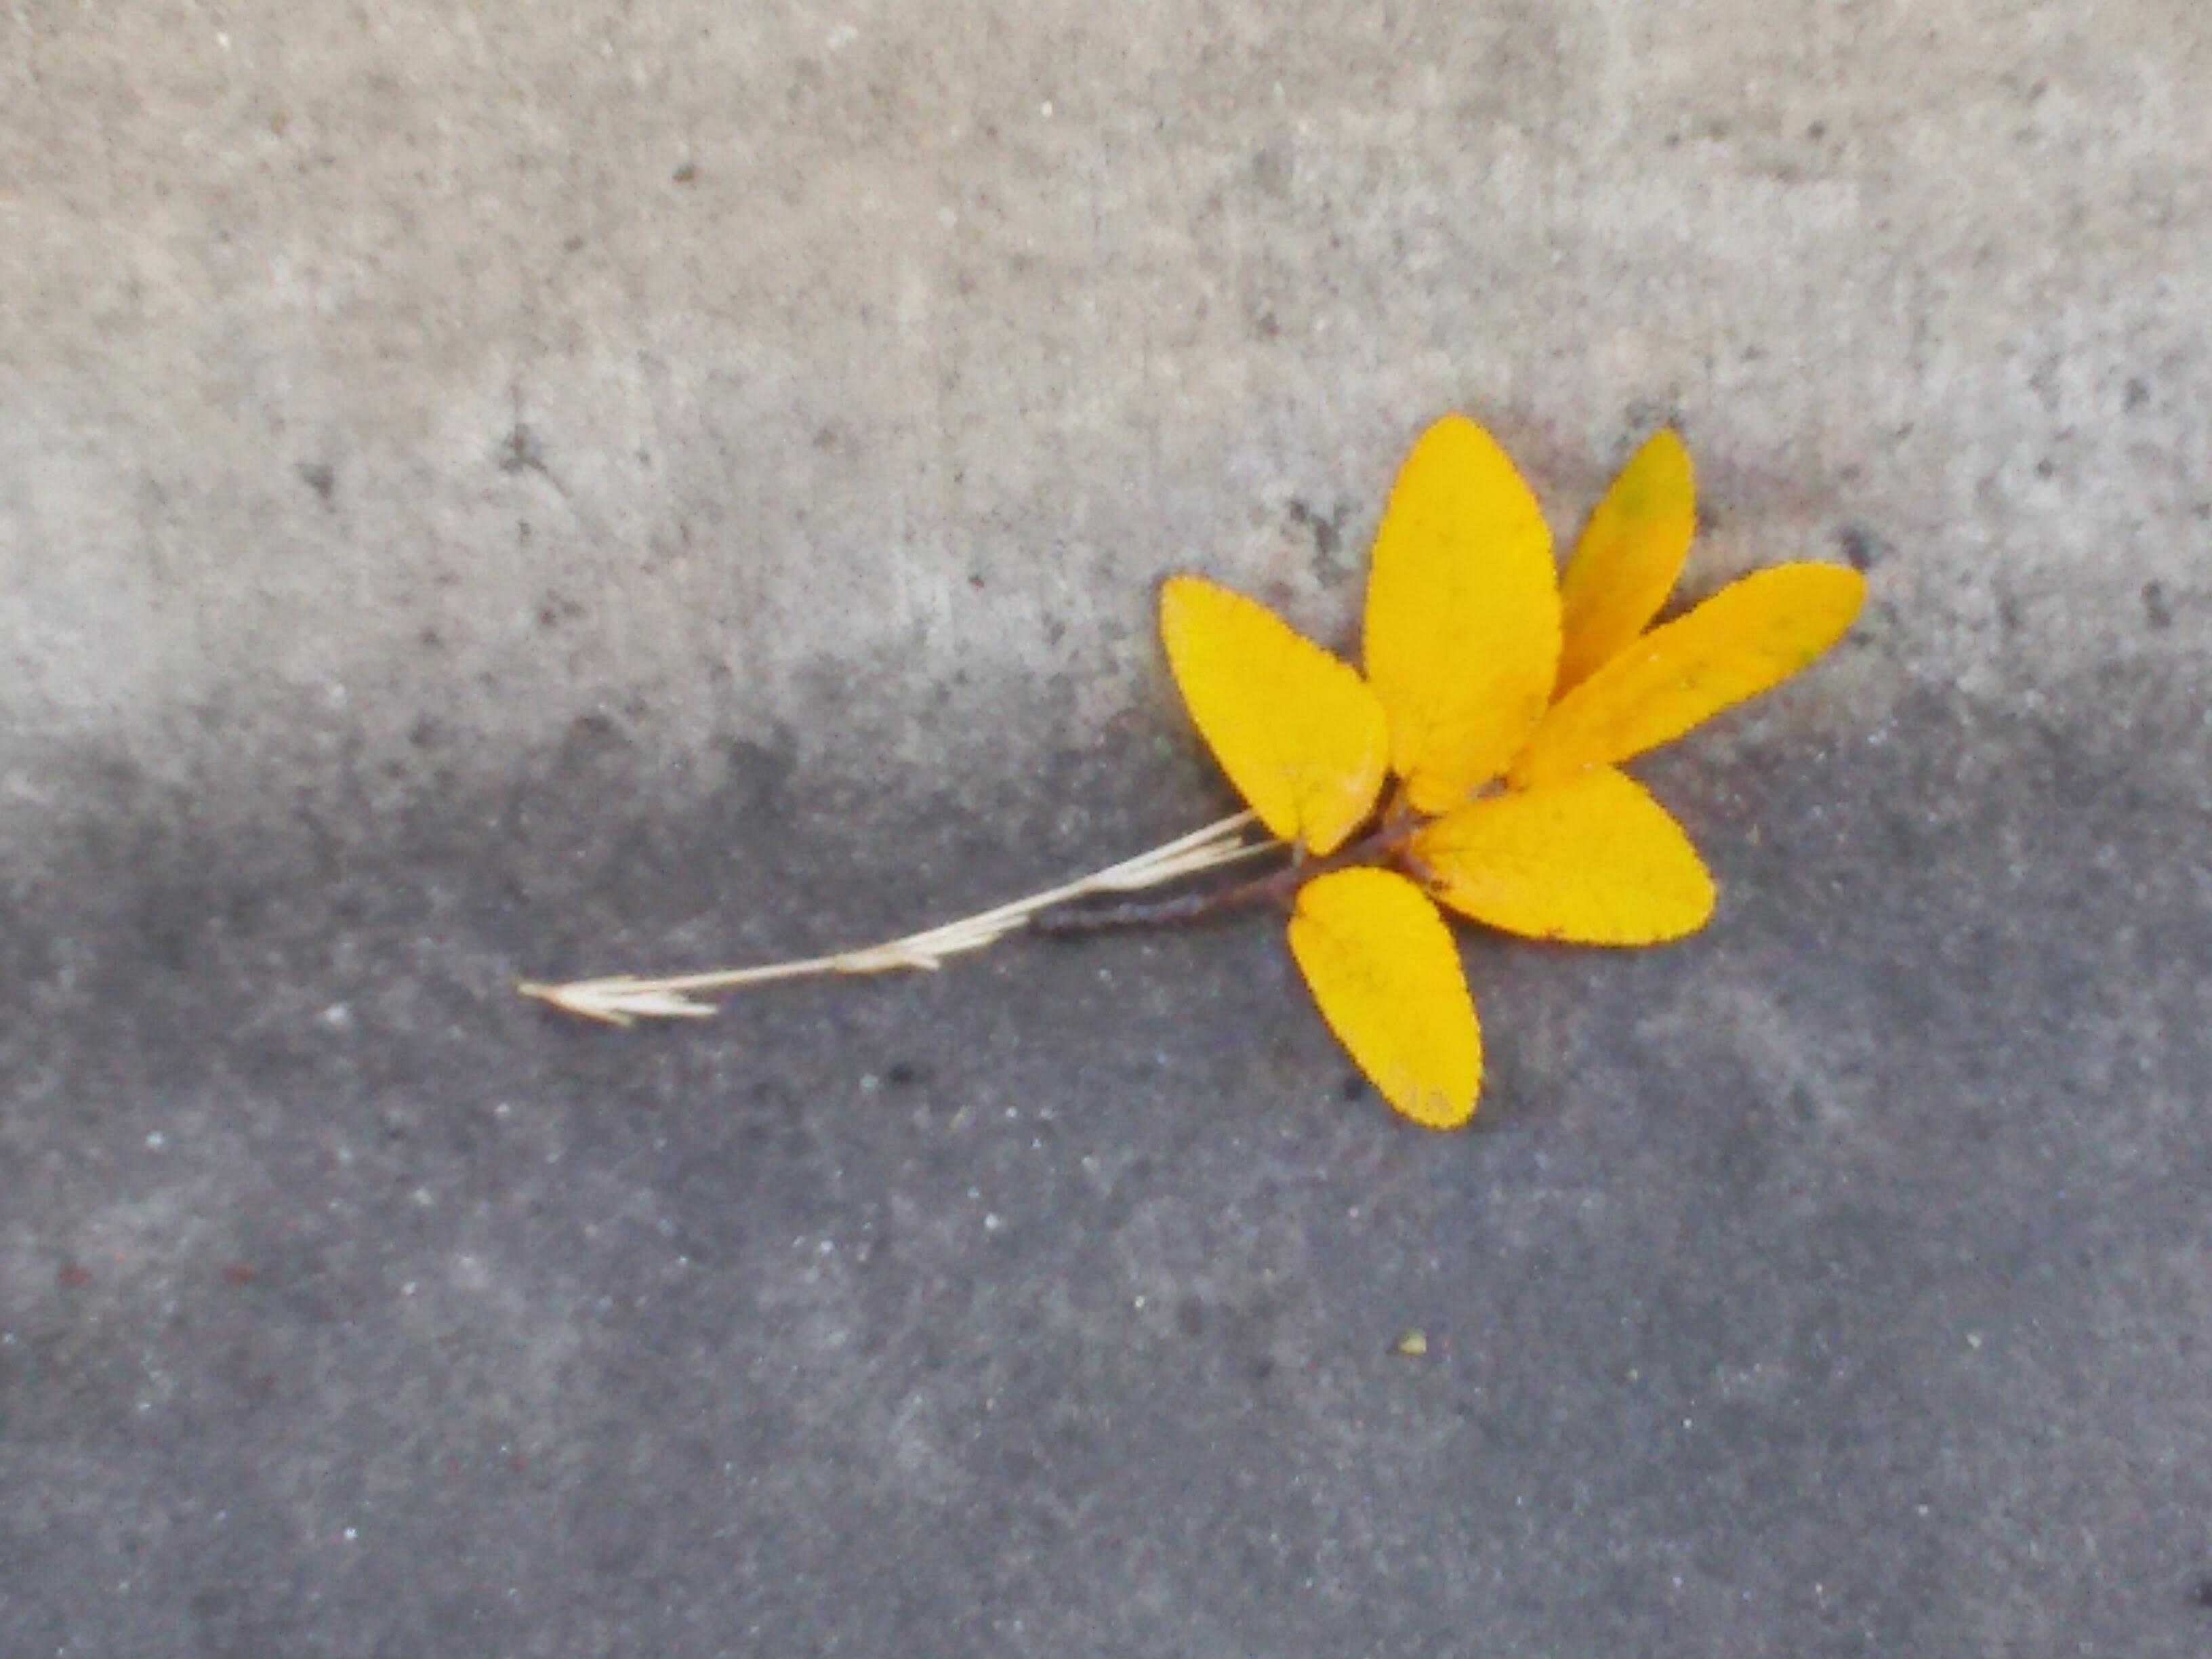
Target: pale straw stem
623,998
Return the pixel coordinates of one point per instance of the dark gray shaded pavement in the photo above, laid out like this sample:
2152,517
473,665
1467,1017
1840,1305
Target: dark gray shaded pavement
1835,1283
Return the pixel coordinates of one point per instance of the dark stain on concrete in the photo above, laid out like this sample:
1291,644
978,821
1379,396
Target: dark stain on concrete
2158,606
321,478
1862,546
1331,564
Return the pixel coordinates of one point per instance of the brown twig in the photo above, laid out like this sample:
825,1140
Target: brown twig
1391,829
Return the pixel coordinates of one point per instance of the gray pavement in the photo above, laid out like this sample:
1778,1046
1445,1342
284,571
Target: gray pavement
578,489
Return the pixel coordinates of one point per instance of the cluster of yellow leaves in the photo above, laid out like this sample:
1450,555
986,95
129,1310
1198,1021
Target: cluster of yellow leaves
1502,696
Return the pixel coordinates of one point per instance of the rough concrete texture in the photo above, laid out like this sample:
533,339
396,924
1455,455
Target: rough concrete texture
562,489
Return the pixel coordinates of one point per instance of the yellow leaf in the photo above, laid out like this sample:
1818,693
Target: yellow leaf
1745,638
1383,966
1629,556
1295,729
1592,860
1462,638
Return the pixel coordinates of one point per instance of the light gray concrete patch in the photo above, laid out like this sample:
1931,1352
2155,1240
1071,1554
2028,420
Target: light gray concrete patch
503,368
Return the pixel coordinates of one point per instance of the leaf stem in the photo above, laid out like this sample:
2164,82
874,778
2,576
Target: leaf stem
1385,841
624,999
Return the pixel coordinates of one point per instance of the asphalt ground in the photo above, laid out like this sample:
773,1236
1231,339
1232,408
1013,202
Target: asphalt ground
1834,1282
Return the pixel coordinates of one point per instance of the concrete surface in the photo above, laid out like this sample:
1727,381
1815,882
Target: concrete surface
562,489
